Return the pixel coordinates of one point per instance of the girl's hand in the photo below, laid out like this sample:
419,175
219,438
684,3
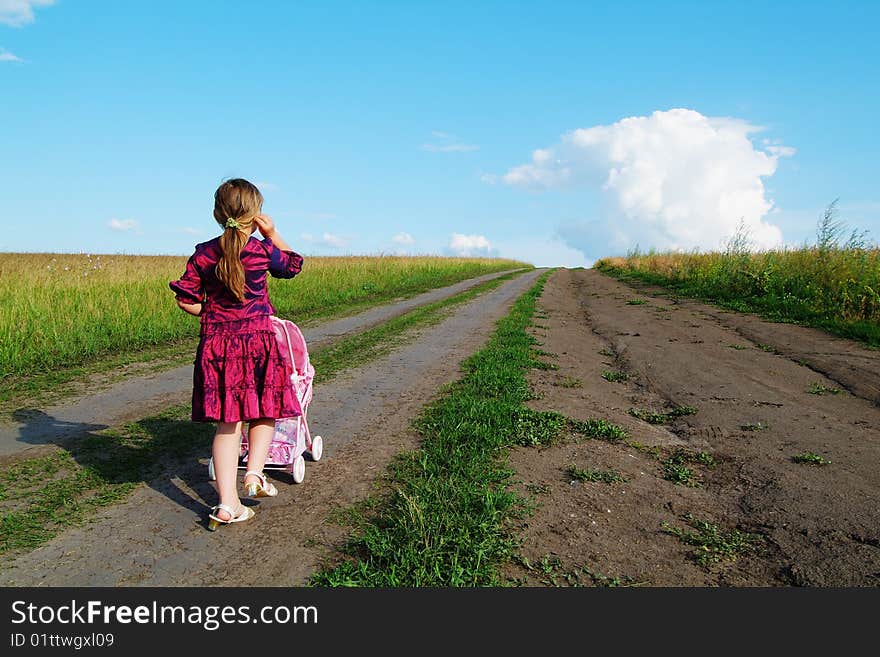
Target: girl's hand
265,224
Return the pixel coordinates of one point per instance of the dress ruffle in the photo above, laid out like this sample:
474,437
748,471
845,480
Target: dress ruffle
240,374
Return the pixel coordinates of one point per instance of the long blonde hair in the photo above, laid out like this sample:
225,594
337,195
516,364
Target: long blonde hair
241,201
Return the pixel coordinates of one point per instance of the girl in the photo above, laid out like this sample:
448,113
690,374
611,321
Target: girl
240,375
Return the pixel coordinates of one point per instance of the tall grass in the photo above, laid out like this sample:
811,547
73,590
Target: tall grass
834,284
67,310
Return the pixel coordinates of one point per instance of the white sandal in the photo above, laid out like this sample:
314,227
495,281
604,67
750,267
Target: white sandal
261,488
215,521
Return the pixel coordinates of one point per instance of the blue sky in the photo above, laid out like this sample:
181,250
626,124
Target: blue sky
412,127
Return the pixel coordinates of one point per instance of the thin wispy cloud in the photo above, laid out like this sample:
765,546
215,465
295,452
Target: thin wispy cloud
326,239
447,143
190,231
267,186
17,13
403,238
6,56
122,225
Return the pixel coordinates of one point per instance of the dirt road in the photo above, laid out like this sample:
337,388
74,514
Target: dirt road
749,381
158,536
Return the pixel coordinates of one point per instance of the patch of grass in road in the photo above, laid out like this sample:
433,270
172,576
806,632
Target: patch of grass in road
636,302
615,377
712,544
446,520
738,347
676,466
533,428
654,417
766,347
551,571
819,389
40,496
542,365
754,426
590,475
568,382
810,458
599,429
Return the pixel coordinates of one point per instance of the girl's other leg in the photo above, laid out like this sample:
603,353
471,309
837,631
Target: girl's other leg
227,443
260,434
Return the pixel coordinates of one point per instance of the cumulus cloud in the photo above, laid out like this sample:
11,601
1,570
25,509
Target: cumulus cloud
673,180
6,56
122,225
446,143
403,238
327,239
469,245
20,12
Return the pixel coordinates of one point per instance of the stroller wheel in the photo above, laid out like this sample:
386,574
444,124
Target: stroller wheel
212,475
298,469
317,448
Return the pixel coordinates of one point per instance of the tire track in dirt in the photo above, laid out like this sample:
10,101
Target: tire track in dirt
138,396
158,537
817,525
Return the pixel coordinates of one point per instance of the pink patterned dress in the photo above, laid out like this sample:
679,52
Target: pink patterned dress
240,373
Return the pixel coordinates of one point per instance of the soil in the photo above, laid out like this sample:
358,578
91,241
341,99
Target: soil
811,525
158,537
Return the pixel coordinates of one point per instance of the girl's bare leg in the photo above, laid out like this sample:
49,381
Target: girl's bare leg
260,433
227,442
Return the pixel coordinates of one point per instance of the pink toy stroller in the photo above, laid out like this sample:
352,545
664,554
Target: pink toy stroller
292,438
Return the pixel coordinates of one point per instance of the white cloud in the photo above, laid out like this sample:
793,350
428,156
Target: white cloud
448,144
403,238
20,12
267,186
190,231
469,245
542,251
673,180
6,56
122,225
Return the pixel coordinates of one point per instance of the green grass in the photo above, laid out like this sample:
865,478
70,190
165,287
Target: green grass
603,476
810,458
712,544
551,571
636,302
834,285
63,311
676,466
599,429
446,519
819,389
615,377
568,382
105,466
754,426
654,417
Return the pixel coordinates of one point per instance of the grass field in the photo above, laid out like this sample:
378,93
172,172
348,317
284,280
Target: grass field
61,311
833,285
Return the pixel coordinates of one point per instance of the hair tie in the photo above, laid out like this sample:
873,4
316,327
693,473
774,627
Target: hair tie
232,223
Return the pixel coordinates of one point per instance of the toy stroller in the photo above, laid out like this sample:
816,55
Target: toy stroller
292,438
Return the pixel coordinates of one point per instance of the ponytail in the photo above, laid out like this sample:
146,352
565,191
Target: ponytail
236,203
229,269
